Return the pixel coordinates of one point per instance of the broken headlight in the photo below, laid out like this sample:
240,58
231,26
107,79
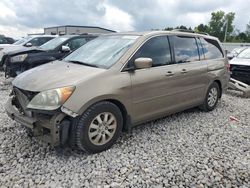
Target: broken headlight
18,58
51,99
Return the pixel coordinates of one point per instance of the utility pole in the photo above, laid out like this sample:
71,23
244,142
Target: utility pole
225,36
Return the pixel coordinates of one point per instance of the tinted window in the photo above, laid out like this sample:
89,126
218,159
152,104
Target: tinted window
76,43
211,48
3,41
157,49
185,49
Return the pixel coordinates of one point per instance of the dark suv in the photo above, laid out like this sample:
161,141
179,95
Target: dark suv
20,61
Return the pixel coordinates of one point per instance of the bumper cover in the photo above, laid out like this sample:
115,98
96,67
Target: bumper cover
45,129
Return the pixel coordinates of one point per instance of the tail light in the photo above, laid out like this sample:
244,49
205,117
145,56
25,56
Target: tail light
228,66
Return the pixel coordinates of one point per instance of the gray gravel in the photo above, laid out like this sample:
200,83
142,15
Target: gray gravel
188,149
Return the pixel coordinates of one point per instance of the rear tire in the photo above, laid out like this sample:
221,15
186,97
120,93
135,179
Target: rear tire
98,127
212,97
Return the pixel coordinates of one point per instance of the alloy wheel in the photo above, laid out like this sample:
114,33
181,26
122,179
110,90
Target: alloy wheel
102,128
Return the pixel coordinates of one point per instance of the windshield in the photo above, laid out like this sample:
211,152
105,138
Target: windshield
245,54
22,40
103,51
52,44
237,50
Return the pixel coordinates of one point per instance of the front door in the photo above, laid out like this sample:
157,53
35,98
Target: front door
155,90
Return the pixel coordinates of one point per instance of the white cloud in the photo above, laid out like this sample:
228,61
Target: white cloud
18,17
117,19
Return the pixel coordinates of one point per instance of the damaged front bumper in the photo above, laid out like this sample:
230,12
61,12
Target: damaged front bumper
13,69
53,128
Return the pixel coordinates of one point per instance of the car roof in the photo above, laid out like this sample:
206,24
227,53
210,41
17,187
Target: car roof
39,36
155,33
82,35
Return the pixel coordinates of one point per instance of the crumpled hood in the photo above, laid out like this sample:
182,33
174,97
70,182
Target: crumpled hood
240,61
54,75
7,48
25,50
12,47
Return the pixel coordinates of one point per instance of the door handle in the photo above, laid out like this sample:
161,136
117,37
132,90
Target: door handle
184,71
169,73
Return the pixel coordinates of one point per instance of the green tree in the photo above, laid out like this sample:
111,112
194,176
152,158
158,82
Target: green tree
220,22
248,32
168,28
202,28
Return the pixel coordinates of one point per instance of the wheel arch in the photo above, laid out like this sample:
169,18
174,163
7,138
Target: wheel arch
124,110
220,86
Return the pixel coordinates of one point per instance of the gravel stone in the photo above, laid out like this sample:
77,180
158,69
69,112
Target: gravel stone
187,149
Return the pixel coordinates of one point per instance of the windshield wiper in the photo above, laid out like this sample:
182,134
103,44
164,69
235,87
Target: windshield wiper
83,63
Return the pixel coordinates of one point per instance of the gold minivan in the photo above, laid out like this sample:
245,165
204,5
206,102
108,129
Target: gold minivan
117,81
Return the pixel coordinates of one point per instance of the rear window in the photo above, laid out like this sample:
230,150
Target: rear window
211,49
185,49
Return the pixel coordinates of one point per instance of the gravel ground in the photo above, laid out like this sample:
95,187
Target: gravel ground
188,149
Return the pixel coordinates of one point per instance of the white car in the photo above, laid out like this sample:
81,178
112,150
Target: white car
240,66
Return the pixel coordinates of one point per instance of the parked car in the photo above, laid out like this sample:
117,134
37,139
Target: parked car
235,52
117,81
22,60
240,66
24,43
6,40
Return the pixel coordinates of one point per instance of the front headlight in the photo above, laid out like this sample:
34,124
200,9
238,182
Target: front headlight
18,58
51,99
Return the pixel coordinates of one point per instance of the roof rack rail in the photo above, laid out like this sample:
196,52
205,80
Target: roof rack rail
203,33
183,30
189,31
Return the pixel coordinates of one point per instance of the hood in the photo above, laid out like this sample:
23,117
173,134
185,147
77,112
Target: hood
240,61
25,50
6,45
54,75
7,49
12,47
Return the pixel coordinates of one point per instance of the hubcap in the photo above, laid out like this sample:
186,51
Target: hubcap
102,128
212,97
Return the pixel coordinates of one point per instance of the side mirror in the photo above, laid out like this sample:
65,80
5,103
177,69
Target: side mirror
142,63
28,44
65,49
230,56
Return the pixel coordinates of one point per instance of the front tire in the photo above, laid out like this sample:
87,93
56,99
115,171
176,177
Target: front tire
212,97
98,127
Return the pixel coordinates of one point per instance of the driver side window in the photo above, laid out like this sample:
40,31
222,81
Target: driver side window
75,43
157,49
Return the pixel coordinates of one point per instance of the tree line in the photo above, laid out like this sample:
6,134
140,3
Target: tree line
221,26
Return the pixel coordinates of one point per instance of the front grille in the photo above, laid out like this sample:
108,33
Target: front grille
240,68
241,73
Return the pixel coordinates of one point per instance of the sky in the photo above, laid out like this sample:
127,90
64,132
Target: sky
19,17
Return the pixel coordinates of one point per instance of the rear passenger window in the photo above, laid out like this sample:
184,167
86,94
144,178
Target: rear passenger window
157,49
185,49
211,48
